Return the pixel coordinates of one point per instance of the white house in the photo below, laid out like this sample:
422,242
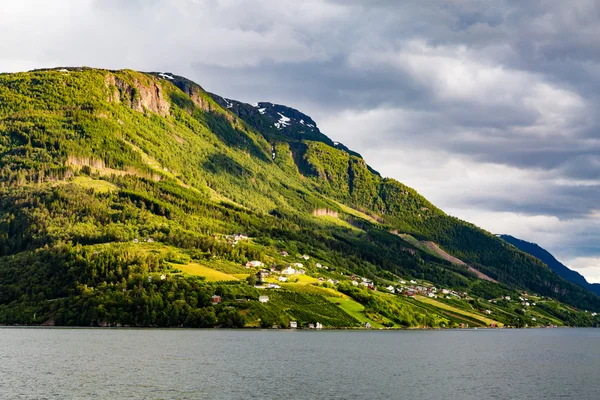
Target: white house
507,298
355,283
402,282
254,264
293,324
263,299
282,278
391,289
488,312
163,277
413,281
319,325
319,265
297,265
304,256
288,271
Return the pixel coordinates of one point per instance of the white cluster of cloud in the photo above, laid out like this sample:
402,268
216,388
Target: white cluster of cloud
486,107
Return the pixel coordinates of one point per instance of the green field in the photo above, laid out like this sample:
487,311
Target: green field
210,274
435,303
354,309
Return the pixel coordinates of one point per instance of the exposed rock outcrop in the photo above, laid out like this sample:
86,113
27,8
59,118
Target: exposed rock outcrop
319,212
139,96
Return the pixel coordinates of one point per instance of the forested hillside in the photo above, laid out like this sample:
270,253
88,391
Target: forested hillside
555,265
131,198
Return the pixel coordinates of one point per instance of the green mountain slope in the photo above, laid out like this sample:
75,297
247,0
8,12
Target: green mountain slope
120,191
555,265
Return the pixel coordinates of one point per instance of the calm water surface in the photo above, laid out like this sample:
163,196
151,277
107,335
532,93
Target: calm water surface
224,364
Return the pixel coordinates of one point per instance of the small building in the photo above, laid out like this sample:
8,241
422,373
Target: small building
261,276
254,264
488,312
391,289
288,271
305,257
163,277
297,265
507,298
319,325
413,281
293,324
283,278
216,299
311,326
263,299
318,265
355,283
367,325
284,253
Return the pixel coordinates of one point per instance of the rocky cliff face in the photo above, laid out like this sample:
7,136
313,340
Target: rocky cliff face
140,96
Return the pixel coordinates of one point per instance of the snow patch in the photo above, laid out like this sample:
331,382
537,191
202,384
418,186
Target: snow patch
336,143
165,76
302,121
262,110
255,105
283,121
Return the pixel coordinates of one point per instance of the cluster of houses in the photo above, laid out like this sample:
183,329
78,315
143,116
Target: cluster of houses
235,238
263,273
317,325
145,240
426,291
318,265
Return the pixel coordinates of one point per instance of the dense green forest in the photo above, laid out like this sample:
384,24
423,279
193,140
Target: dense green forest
117,187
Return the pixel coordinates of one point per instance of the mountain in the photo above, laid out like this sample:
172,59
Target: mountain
555,265
140,199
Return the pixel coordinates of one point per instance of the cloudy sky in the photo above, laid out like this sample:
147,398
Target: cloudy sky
488,108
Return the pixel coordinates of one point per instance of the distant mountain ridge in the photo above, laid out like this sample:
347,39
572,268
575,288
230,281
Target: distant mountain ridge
547,258
287,121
